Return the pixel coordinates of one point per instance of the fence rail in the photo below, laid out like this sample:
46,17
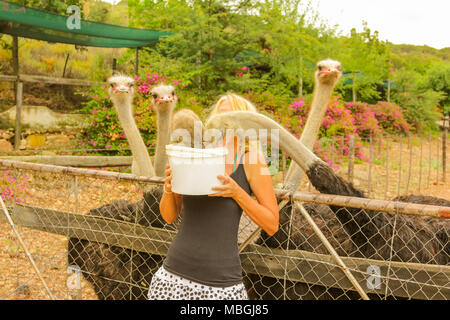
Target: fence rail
98,235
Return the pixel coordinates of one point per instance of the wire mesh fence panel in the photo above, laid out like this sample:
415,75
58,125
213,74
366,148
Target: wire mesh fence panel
102,237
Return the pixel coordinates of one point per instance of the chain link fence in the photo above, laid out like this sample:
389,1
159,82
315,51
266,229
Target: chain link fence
86,234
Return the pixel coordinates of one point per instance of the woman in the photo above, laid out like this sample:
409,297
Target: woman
203,260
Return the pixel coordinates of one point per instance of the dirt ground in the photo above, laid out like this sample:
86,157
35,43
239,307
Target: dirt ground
18,280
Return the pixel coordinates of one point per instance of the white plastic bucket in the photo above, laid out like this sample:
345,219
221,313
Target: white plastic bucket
194,171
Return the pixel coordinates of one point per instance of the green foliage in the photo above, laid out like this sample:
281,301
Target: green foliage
438,79
214,40
365,59
104,130
420,102
54,6
260,48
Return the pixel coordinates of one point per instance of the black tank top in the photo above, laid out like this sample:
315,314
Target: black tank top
205,249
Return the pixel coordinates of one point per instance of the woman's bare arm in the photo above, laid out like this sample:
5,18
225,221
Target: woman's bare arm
264,210
171,203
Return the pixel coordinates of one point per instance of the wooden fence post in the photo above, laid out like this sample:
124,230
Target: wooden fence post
379,144
332,150
420,163
386,188
429,159
17,134
444,149
15,57
399,169
65,65
437,161
114,66
370,166
410,163
351,157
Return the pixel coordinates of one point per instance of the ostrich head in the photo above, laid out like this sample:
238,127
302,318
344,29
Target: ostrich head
121,90
328,71
164,98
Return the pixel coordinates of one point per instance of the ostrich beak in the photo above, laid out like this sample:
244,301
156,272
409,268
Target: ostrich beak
165,99
329,70
122,89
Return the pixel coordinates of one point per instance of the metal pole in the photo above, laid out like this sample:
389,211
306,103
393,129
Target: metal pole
13,226
331,250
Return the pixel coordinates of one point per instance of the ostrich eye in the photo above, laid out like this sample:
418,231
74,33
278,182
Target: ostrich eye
112,85
173,93
320,67
154,95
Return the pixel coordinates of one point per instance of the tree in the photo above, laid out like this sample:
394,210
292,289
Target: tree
54,6
366,59
419,102
438,79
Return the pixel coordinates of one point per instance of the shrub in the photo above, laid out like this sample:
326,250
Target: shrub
391,118
12,188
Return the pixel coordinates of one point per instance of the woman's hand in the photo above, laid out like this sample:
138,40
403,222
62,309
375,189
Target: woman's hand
171,203
229,188
168,179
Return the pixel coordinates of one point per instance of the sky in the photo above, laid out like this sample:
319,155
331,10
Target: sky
418,22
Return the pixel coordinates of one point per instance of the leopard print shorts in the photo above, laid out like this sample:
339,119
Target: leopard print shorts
168,286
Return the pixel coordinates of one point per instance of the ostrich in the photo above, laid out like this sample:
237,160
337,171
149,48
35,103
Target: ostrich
370,231
326,77
115,272
191,128
121,92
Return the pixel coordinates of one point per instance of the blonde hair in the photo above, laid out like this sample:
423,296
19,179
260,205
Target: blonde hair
238,103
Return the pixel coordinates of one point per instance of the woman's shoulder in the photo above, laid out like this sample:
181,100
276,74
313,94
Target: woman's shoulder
254,157
255,163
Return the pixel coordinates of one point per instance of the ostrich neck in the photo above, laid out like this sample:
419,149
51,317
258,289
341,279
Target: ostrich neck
163,138
248,120
322,94
137,145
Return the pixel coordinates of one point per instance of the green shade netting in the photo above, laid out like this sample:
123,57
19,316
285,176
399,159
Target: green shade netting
31,23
